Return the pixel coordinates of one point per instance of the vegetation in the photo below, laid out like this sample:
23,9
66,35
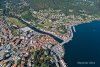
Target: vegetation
76,7
1,12
14,21
18,62
62,29
27,16
41,58
44,25
14,32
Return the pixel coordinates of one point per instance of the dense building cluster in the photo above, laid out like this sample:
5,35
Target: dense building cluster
18,51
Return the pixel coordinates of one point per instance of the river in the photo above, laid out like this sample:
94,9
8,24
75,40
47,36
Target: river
37,30
84,49
85,46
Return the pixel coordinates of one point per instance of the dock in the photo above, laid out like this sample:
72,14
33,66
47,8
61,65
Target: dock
73,27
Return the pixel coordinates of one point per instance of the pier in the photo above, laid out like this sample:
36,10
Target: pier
73,27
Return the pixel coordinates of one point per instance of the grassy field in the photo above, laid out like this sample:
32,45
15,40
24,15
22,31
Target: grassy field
15,21
45,25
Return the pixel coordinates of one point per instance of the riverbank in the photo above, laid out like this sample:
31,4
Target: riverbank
69,38
56,37
37,30
70,35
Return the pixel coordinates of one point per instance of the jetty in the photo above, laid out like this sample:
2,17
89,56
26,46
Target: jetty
73,27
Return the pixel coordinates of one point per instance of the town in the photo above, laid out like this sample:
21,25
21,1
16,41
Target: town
33,32
20,50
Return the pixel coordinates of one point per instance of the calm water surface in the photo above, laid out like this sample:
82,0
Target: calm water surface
84,47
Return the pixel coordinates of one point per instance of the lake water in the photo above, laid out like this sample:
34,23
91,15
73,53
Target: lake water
84,49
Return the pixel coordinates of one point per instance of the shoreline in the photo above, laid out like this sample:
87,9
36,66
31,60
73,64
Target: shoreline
71,30
92,25
70,35
70,38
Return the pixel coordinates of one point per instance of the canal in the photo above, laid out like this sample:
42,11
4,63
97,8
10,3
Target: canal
37,30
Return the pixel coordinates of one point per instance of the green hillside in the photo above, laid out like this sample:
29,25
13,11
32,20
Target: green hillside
91,7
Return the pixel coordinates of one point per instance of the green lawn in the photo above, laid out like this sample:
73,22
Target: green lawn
15,21
45,25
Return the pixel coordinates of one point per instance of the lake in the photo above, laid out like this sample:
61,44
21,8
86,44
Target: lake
84,49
